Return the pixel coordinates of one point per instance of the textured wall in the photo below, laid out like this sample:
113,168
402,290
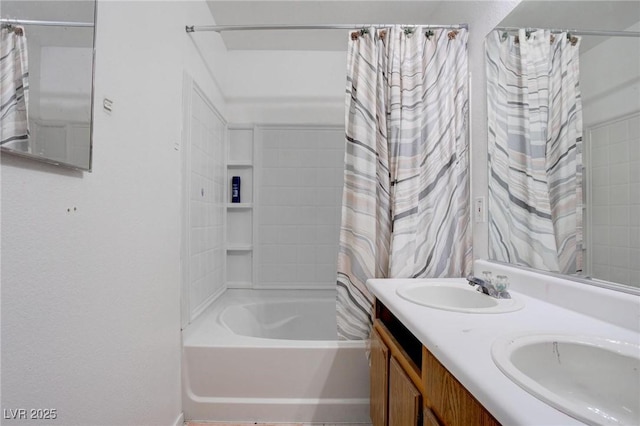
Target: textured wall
91,261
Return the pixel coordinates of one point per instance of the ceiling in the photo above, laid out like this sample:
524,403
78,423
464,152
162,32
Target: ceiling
331,12
586,14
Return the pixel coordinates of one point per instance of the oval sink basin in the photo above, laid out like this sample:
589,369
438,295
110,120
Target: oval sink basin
594,380
455,296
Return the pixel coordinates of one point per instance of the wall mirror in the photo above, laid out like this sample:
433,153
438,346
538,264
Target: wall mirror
47,81
583,221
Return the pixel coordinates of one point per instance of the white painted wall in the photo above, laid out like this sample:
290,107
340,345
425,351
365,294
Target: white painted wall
610,79
278,86
91,261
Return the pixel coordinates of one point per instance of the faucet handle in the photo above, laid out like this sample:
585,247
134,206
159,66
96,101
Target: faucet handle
501,285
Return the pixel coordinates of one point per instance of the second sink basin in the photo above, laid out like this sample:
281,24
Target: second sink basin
593,379
455,296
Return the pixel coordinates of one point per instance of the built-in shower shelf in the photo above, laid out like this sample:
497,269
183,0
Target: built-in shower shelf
238,164
239,284
243,247
239,206
240,216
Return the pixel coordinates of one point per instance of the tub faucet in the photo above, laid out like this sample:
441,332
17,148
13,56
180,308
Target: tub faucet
487,287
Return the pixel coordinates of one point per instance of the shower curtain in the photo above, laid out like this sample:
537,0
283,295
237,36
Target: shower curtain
405,209
14,85
535,150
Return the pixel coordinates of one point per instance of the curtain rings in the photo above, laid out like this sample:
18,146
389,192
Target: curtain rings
19,31
356,34
572,39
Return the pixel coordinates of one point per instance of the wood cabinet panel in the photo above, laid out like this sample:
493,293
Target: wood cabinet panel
397,351
409,386
449,400
379,385
428,418
404,397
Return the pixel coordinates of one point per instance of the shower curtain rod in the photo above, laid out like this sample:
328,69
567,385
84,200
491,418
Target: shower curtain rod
578,32
221,28
45,23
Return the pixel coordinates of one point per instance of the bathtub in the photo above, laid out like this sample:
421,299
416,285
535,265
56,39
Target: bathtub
273,356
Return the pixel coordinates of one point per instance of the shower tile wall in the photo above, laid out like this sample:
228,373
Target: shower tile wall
615,200
299,196
206,204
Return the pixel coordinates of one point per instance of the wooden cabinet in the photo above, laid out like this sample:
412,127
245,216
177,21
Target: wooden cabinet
450,402
379,379
396,383
409,386
404,397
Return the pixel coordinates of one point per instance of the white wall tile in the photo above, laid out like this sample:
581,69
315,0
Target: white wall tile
619,215
620,173
618,131
206,192
614,183
289,235
619,153
299,204
634,215
600,155
619,236
600,176
307,253
619,194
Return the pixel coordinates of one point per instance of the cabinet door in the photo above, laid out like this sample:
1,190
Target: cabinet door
404,397
451,402
379,373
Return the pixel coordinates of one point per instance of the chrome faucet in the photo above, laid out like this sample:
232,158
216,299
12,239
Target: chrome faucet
487,287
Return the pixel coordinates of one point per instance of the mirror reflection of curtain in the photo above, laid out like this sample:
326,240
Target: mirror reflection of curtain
535,150
406,205
14,86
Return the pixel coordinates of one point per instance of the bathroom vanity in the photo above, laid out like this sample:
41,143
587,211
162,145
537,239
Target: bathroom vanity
409,386
436,366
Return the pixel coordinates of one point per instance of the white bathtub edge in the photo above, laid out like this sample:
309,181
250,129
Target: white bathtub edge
280,410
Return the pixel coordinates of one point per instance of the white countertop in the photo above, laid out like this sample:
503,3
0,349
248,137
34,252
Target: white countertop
462,343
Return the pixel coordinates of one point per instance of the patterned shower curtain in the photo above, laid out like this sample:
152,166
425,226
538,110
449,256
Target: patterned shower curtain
535,150
405,209
14,85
